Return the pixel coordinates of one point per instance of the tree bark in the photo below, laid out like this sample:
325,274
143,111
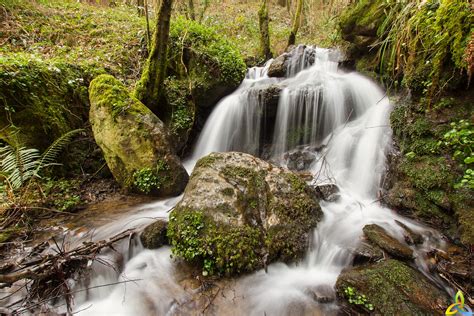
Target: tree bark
150,87
296,23
192,14
263,22
140,7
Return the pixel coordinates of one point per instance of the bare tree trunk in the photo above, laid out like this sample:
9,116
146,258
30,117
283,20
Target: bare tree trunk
296,23
149,89
263,22
192,14
140,7
205,4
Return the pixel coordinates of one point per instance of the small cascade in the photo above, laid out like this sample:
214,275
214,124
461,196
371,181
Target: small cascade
342,119
237,118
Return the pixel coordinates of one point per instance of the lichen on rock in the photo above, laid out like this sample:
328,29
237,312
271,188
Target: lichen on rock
134,141
240,213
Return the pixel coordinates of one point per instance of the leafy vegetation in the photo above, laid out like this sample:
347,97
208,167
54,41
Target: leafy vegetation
422,44
223,250
460,139
21,165
147,179
357,299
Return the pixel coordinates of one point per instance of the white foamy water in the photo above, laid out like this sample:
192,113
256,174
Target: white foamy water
343,119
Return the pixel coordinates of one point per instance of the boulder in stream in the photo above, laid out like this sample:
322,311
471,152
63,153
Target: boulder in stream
240,213
379,236
154,235
390,288
134,141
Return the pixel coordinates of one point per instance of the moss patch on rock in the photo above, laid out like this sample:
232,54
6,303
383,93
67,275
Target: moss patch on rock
392,288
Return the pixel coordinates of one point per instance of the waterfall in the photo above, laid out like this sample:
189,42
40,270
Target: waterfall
343,120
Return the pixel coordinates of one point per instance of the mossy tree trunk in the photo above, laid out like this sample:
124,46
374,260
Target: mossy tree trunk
263,22
296,23
150,87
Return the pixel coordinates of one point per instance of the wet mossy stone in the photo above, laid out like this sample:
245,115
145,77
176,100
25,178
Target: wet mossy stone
154,235
134,141
393,288
239,213
379,237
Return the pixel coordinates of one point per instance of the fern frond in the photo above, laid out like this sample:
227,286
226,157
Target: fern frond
51,153
19,164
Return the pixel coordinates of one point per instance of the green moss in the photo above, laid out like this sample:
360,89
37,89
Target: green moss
43,99
425,43
207,161
223,250
393,289
219,55
426,172
107,91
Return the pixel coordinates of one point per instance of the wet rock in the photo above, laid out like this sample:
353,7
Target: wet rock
410,236
366,253
379,236
154,235
392,288
278,66
134,141
322,294
269,98
328,192
299,160
239,213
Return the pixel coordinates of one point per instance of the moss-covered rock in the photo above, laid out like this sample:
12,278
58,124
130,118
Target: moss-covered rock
379,237
134,141
42,99
390,288
240,213
154,235
422,176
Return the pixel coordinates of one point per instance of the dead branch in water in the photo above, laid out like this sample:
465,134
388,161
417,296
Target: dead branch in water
49,274
45,266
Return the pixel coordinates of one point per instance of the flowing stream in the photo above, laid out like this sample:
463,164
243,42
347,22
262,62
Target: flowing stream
339,119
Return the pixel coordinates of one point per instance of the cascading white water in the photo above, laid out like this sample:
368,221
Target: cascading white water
343,119
235,123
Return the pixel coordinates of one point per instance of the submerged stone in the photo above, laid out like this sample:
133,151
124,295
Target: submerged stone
240,213
390,288
134,141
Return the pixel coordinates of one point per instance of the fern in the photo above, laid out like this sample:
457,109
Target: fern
20,164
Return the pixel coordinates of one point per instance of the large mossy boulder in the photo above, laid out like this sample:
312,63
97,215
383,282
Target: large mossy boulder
43,99
390,288
134,141
240,213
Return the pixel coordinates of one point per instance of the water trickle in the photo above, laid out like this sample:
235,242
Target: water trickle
341,119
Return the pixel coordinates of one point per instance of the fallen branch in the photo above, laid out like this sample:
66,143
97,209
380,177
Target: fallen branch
48,265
